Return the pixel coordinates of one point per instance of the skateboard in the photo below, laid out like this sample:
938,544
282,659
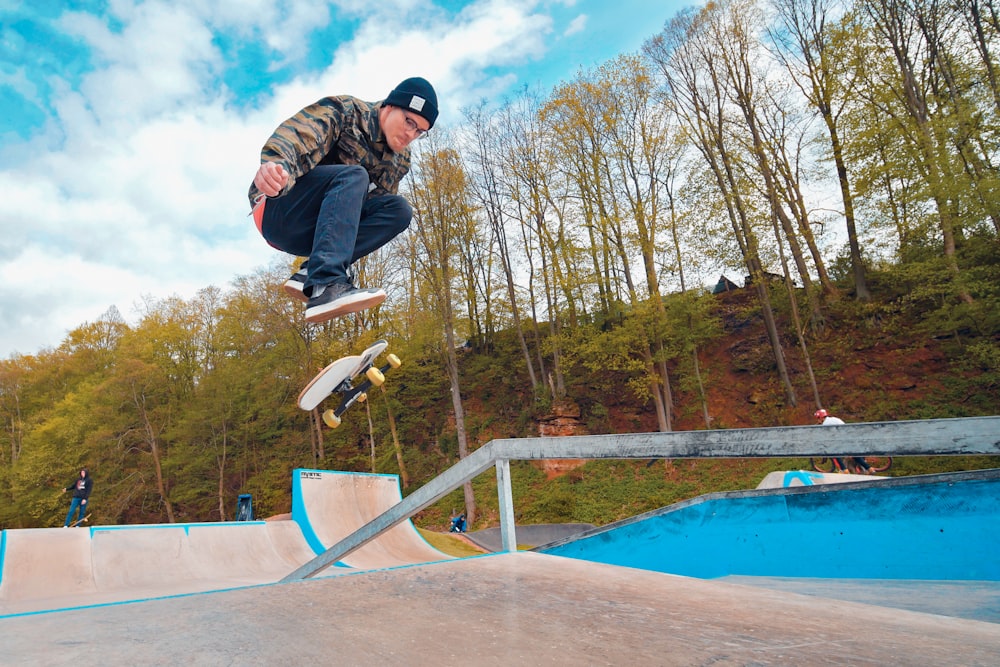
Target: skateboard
337,378
79,521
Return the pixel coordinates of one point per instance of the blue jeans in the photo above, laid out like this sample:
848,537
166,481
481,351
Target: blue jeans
77,502
328,217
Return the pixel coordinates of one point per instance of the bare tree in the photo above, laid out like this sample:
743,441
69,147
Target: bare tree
687,54
489,190
807,49
442,212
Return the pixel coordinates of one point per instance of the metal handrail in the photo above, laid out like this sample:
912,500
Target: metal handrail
933,437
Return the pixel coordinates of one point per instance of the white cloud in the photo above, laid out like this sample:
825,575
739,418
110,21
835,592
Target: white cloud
162,59
16,79
579,24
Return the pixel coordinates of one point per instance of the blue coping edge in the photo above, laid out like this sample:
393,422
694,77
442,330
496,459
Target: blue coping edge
301,516
186,527
927,527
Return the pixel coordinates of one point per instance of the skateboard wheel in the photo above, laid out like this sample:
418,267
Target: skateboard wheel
375,376
330,419
362,397
394,361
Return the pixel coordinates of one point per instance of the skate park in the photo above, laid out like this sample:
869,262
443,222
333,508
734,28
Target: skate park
862,571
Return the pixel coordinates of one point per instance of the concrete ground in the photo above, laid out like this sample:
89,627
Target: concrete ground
528,535
504,609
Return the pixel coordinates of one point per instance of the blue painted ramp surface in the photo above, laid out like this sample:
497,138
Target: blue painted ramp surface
932,527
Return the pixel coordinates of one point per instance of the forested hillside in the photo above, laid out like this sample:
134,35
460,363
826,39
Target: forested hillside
837,161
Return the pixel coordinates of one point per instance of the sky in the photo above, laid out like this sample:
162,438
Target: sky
130,130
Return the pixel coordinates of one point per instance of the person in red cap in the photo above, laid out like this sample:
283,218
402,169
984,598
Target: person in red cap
328,189
861,465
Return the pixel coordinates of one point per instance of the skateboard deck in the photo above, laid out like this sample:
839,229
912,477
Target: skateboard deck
79,521
337,378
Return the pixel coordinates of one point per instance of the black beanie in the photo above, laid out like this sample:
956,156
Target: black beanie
416,95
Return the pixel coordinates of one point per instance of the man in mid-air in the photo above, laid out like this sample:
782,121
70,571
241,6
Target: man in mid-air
327,189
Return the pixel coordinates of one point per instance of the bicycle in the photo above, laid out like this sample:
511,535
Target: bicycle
829,464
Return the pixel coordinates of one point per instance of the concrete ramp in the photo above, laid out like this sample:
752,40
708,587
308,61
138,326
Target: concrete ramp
329,506
57,568
54,568
783,479
42,562
162,557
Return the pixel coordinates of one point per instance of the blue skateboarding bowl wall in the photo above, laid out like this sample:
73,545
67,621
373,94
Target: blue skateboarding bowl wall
931,527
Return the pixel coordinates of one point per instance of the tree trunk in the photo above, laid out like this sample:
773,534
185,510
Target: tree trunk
221,460
456,403
404,476
371,434
796,320
154,449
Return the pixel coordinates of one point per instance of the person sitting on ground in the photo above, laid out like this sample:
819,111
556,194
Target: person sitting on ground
458,524
327,186
860,464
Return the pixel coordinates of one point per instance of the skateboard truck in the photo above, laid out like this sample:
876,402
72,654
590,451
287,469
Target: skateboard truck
374,377
337,378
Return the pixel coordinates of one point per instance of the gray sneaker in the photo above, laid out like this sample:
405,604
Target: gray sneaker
329,301
293,286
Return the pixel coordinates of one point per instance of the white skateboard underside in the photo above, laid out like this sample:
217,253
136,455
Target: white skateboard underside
330,377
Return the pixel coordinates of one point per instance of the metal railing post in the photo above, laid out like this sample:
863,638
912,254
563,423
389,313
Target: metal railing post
505,502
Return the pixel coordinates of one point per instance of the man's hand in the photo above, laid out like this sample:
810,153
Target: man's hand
270,179
83,502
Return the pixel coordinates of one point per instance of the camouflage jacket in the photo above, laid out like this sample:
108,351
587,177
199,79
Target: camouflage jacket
336,130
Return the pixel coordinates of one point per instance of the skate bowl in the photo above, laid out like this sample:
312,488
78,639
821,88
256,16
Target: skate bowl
925,527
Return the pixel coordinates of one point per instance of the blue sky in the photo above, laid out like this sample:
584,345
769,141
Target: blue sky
129,130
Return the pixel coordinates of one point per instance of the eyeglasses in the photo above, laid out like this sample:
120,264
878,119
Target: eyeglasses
411,125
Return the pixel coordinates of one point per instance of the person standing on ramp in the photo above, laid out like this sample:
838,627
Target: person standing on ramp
81,488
